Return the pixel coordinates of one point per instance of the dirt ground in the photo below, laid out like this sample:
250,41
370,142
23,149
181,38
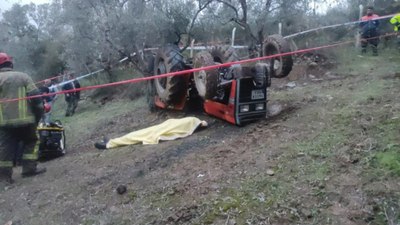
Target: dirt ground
331,156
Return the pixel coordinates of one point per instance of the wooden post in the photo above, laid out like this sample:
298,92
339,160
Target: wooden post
233,36
358,36
191,48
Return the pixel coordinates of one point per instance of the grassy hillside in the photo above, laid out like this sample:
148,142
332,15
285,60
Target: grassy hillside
330,157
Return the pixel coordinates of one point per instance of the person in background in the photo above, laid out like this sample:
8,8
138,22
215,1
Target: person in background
369,31
395,21
48,101
18,121
52,89
71,98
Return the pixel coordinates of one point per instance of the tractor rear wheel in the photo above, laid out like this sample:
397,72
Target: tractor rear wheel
150,89
171,90
280,66
206,81
224,54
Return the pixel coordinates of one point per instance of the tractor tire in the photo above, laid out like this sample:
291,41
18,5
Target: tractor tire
206,81
170,90
150,88
224,54
280,66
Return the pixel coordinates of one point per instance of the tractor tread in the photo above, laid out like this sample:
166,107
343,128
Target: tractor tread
207,88
276,44
176,86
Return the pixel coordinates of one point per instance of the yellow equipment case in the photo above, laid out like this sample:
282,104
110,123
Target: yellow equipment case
52,140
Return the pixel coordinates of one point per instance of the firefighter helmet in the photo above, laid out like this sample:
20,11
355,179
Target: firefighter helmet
5,58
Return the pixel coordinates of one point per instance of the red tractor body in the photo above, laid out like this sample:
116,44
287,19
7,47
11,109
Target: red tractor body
246,103
236,94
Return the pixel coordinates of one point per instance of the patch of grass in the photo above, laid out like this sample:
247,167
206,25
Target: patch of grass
161,200
369,91
83,122
282,96
323,145
387,157
343,117
350,63
254,196
388,132
390,160
132,195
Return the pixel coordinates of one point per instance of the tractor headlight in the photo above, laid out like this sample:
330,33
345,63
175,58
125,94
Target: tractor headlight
244,108
259,106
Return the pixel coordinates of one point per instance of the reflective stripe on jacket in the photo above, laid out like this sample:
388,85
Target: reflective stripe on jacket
395,20
15,85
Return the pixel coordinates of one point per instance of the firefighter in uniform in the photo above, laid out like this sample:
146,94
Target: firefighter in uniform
395,21
18,120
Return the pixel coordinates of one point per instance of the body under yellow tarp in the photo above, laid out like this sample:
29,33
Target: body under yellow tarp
169,130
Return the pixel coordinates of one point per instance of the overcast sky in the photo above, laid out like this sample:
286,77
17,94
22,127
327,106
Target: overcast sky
6,4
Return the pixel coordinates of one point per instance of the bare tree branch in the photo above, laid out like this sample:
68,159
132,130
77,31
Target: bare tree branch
227,3
189,30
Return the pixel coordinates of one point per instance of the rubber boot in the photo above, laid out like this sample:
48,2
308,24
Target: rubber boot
29,169
102,144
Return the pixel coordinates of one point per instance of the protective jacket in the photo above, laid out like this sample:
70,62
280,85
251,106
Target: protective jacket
369,25
23,112
395,20
71,86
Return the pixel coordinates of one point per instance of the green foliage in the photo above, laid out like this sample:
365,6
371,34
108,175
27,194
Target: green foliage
87,35
46,60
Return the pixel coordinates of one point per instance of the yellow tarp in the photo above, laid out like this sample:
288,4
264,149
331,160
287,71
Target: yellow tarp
168,130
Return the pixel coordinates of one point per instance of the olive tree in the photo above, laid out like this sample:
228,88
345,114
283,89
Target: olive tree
19,37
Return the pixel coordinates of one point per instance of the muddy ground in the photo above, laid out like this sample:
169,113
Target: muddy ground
331,156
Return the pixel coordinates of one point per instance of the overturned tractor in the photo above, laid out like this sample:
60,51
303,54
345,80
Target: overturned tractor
237,94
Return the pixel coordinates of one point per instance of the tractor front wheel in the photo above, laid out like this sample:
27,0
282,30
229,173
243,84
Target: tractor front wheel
280,66
206,81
